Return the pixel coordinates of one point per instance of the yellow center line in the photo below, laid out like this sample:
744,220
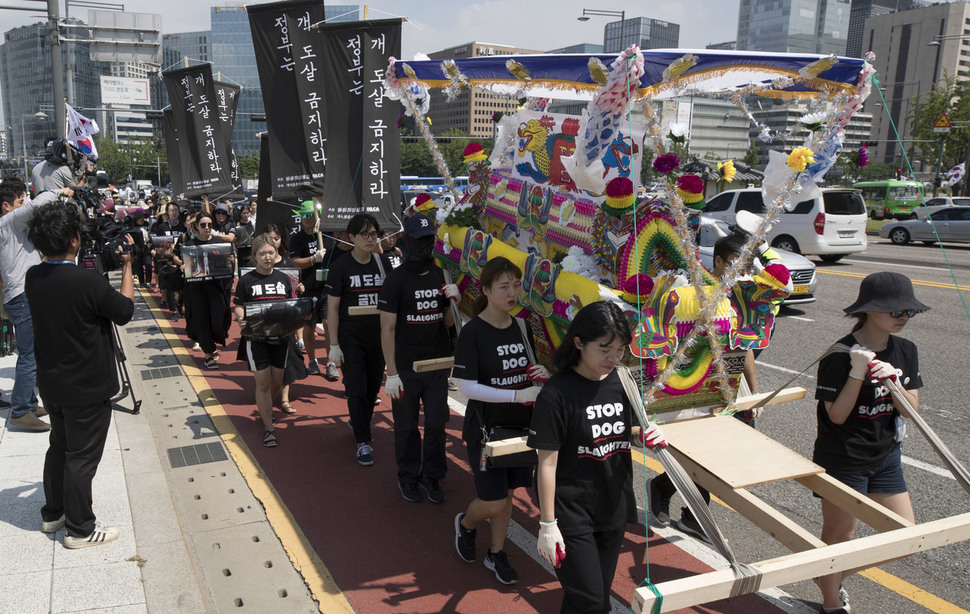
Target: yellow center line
323,588
897,585
916,282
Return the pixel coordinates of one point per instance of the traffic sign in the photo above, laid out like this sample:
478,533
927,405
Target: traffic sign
943,124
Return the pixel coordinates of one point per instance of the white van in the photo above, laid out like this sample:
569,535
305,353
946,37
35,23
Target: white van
829,226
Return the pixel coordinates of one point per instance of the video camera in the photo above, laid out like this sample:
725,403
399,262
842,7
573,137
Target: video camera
101,239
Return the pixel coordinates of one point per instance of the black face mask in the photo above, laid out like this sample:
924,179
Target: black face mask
420,249
420,253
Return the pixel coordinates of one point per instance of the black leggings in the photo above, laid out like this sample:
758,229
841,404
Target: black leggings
586,574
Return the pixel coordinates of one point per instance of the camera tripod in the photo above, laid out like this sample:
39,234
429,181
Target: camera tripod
126,388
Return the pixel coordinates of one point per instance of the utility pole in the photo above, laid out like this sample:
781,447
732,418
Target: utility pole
57,69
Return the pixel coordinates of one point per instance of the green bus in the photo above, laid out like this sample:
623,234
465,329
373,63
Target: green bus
891,199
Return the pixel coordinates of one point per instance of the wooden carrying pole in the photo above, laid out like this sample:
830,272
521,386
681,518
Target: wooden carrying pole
856,554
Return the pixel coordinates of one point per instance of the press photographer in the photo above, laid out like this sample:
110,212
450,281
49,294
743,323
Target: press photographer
17,254
64,165
77,374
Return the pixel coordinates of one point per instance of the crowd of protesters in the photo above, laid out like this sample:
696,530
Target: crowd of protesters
379,307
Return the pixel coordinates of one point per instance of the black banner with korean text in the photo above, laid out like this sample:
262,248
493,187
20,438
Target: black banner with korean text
227,99
363,147
281,34
202,143
173,154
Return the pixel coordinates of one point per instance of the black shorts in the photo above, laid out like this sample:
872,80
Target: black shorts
262,354
320,307
884,478
495,484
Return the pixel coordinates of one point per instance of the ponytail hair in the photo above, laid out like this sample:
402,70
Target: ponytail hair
492,271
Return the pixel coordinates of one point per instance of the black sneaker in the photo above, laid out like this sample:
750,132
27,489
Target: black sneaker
211,362
465,540
432,488
659,505
688,524
410,491
365,455
499,563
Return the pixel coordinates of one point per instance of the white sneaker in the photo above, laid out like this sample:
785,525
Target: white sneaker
196,348
100,535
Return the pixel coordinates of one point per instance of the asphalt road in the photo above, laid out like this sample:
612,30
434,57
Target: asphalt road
801,335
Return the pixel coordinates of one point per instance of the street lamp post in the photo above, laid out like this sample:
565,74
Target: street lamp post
23,139
587,13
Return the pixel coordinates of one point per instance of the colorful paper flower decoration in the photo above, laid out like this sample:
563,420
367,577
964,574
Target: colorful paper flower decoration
800,158
619,196
862,157
727,170
690,189
474,153
666,163
677,133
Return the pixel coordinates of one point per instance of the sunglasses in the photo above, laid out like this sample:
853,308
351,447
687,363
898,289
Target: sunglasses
204,225
898,314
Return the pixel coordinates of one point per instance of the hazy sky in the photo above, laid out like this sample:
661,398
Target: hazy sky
437,24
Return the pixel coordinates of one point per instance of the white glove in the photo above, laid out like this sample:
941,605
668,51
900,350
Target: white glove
860,358
538,373
336,355
881,370
318,255
451,292
394,387
550,543
527,396
652,437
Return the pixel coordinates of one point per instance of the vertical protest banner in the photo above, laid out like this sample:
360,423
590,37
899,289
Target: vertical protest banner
202,144
278,44
172,153
363,149
270,211
227,99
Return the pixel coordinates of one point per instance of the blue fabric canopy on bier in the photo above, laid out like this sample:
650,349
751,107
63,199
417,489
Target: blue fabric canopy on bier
784,75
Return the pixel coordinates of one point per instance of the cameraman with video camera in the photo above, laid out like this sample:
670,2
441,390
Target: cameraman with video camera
62,166
75,309
17,254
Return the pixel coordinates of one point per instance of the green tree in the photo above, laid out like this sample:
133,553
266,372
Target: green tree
950,97
751,157
248,166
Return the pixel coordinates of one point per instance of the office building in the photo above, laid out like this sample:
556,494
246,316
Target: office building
580,48
645,32
910,63
862,10
793,26
26,82
194,45
785,118
234,61
3,145
725,46
471,112
716,127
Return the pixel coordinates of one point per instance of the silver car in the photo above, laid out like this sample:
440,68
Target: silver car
802,269
949,224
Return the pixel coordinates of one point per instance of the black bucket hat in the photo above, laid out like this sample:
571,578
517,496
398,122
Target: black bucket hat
885,292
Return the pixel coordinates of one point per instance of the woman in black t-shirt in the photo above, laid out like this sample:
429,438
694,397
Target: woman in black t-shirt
493,369
582,425
859,426
266,356
207,315
355,340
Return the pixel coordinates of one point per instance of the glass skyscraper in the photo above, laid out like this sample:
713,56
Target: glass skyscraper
793,26
645,32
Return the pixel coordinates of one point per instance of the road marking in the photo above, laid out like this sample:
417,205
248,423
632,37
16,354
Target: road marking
912,592
908,266
323,588
907,460
783,369
798,318
931,284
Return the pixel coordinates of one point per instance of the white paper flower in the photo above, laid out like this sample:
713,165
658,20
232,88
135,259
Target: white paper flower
813,118
678,129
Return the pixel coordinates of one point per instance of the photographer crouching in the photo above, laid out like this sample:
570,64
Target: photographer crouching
73,310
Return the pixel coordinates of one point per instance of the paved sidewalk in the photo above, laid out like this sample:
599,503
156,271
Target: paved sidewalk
193,537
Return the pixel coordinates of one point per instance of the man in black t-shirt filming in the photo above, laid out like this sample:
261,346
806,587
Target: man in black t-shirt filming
73,310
